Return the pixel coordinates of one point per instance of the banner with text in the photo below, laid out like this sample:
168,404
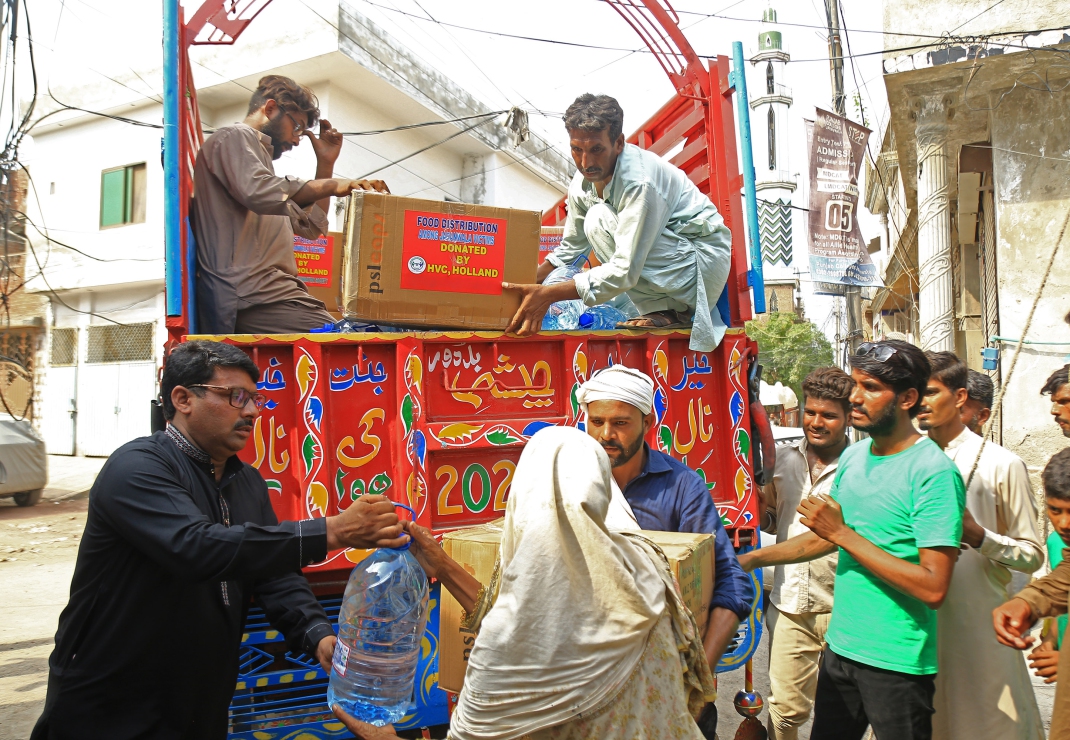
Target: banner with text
453,254
838,254
315,261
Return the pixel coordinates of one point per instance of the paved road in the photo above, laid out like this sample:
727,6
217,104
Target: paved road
728,684
38,546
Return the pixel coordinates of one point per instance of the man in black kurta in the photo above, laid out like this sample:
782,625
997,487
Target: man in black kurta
180,537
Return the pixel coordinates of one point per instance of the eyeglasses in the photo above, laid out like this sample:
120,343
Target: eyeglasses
239,397
879,352
299,128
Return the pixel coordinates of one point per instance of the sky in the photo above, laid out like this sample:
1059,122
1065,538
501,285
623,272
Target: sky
466,41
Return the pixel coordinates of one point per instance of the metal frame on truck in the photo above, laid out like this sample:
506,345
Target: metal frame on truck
437,420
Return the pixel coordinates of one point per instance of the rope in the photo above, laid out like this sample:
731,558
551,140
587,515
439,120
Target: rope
987,433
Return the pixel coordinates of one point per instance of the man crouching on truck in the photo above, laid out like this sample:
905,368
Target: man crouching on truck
180,536
663,494
245,216
658,237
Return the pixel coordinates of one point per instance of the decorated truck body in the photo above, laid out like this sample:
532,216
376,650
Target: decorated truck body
438,420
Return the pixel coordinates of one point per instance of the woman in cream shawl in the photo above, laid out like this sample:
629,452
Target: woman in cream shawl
582,633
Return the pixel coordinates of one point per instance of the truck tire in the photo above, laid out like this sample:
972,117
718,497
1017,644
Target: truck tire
28,498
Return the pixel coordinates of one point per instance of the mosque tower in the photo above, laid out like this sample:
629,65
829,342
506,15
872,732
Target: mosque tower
770,101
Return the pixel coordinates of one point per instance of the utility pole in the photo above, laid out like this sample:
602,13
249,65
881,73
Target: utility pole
852,293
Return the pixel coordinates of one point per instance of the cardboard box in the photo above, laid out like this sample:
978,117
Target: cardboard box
549,240
476,548
431,263
319,267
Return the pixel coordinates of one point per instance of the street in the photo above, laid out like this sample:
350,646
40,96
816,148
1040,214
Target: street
38,547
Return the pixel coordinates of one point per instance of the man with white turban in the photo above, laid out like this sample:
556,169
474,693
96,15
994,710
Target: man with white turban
663,494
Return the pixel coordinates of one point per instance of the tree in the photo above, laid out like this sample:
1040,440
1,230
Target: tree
789,348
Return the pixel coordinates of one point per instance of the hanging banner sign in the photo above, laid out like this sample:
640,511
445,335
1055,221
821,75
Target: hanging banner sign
838,255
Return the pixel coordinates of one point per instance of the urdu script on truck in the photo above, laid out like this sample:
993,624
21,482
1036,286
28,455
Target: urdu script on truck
437,420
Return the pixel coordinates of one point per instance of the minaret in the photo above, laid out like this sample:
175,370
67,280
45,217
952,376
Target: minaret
770,99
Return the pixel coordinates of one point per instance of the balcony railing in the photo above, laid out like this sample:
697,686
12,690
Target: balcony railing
760,94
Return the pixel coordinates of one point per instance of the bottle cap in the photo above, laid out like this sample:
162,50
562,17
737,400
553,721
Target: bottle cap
412,513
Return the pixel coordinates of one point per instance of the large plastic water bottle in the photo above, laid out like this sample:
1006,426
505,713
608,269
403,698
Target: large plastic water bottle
380,626
563,316
597,318
562,274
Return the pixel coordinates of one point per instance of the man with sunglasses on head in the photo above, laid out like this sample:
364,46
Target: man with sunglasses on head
245,216
895,514
179,539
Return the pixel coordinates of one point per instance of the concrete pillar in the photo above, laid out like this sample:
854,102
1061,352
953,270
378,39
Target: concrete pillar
936,300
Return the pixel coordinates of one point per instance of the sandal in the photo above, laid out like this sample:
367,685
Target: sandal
668,319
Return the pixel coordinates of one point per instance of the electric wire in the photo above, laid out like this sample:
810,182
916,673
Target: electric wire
452,136
402,78
520,37
493,169
409,126
58,243
988,431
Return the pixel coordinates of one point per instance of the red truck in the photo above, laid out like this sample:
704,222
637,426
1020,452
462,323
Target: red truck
437,420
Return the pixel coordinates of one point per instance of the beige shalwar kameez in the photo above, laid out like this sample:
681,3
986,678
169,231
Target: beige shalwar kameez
983,690
801,598
244,219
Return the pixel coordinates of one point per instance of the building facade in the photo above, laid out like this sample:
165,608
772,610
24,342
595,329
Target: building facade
974,183
97,218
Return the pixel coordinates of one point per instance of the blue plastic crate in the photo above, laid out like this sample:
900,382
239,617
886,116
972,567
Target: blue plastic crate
281,695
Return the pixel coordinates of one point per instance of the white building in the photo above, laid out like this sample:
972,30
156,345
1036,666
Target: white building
98,184
973,175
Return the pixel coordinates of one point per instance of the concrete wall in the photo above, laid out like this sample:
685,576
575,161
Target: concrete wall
965,17
1032,203
66,167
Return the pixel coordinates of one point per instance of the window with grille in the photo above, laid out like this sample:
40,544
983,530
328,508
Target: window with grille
122,195
64,352
129,343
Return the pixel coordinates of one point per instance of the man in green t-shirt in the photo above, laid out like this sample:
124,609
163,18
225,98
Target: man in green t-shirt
895,513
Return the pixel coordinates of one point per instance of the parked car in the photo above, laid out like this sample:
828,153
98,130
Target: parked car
23,461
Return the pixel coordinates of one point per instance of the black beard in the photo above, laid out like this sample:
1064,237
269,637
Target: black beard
279,145
626,454
882,424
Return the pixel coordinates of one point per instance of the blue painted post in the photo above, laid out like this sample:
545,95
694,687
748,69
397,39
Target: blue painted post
172,230
755,276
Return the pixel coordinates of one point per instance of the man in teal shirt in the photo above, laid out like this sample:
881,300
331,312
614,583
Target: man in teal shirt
657,236
895,513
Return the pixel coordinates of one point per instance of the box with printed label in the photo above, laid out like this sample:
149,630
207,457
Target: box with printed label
433,263
476,548
319,267
549,240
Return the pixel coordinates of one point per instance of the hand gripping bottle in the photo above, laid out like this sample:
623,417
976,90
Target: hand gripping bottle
380,626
